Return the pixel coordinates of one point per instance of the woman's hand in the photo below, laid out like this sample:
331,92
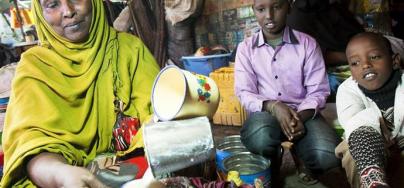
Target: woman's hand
51,170
73,176
288,119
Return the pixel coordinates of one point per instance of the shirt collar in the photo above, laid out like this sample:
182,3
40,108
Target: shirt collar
288,37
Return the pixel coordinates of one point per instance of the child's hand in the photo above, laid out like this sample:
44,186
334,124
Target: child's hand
387,136
287,118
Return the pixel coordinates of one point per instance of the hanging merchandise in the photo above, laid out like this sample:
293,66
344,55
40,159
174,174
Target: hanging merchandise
6,32
4,5
225,22
374,15
25,15
14,19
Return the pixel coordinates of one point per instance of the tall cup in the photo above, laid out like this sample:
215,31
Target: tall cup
174,145
180,94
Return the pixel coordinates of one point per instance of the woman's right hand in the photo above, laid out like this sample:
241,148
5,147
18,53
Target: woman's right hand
74,176
51,170
286,117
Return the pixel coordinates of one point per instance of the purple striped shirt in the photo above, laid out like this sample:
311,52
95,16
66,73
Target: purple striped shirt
294,72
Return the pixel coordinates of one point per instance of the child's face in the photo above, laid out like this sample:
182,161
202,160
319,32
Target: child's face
370,61
271,15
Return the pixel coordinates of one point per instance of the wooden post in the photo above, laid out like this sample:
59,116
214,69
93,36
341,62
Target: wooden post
19,19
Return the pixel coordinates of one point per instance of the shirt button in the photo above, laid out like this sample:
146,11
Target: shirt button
279,94
274,59
276,77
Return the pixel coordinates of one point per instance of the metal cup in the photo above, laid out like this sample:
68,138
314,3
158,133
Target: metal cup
192,95
174,145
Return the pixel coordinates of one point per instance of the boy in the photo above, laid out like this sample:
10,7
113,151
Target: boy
280,79
370,107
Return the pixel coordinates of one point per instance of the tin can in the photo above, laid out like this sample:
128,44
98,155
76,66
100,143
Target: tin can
226,147
250,167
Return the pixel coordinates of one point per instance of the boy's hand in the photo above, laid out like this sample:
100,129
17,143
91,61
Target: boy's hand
287,118
297,130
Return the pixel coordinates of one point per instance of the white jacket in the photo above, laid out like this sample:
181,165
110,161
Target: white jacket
354,109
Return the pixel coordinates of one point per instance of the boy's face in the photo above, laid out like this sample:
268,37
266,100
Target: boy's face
370,61
271,15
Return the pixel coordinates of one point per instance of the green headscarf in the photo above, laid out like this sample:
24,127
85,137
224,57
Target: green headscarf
62,94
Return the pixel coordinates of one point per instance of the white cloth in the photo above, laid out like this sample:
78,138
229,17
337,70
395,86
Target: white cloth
123,21
354,109
6,76
397,45
179,10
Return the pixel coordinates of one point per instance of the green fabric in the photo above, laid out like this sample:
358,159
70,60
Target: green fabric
62,94
341,72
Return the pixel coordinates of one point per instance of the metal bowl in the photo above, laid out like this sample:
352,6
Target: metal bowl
249,166
228,146
246,163
230,138
232,144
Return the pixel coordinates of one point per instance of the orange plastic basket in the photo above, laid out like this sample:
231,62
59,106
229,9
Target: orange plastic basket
230,111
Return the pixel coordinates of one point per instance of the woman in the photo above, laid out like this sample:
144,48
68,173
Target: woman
61,111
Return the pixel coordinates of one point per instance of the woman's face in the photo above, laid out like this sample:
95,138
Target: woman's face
70,19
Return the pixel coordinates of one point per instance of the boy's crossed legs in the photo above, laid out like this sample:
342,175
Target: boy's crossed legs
262,134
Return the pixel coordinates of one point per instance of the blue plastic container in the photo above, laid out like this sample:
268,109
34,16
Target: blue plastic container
205,64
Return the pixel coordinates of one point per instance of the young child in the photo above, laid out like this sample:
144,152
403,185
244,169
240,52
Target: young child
280,79
370,107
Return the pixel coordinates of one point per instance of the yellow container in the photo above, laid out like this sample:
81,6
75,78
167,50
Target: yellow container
230,111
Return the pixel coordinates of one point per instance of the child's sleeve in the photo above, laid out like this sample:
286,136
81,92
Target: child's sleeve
315,79
352,112
245,81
